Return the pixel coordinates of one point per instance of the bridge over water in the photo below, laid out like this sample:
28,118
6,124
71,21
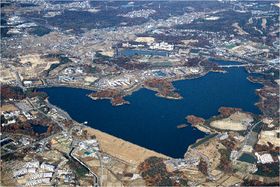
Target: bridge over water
239,65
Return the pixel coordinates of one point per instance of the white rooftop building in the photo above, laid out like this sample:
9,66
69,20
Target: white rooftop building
27,115
20,172
47,167
23,171
82,145
31,170
42,175
38,181
27,83
33,164
25,141
162,46
265,158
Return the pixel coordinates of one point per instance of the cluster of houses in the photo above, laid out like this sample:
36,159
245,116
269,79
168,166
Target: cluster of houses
38,173
10,117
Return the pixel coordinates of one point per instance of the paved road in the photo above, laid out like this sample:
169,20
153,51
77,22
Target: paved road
32,144
245,141
95,180
19,82
38,110
240,65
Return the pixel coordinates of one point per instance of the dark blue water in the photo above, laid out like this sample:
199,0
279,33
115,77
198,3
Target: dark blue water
151,121
222,62
39,129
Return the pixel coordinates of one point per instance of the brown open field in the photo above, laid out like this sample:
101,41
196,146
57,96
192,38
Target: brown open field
36,60
121,149
269,136
6,74
236,122
8,108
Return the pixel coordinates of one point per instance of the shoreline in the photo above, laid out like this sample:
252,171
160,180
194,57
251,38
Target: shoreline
112,138
136,88
131,90
122,149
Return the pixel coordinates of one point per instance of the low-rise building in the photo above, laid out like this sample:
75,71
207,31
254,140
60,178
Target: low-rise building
264,158
27,115
33,164
162,46
47,167
38,181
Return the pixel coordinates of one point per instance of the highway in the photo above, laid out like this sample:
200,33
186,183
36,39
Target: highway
19,82
245,141
101,165
95,180
38,110
239,65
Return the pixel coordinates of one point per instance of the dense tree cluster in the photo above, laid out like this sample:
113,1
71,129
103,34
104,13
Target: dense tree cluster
194,120
163,87
269,169
227,111
26,127
202,167
154,172
14,92
248,182
22,128
268,148
229,143
225,163
11,92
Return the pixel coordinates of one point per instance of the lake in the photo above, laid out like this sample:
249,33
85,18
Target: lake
39,129
151,121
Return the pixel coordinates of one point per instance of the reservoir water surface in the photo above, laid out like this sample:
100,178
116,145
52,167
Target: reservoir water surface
151,121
